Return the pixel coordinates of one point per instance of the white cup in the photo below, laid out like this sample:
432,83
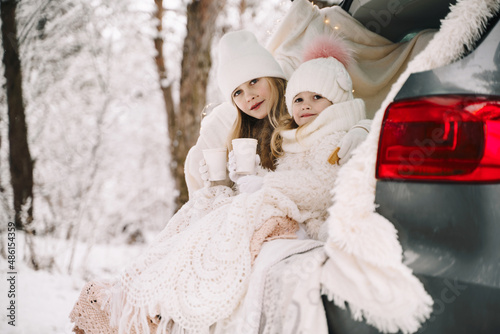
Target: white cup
216,162
244,154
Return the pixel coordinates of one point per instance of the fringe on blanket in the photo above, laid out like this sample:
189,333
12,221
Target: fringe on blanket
385,325
388,298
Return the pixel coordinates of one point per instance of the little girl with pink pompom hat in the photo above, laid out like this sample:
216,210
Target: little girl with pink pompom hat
323,71
318,93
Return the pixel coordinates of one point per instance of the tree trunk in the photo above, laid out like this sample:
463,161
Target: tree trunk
196,64
21,165
165,88
184,124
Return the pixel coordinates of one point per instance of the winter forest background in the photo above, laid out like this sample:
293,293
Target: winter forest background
113,93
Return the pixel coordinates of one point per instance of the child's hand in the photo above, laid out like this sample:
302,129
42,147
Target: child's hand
350,142
250,183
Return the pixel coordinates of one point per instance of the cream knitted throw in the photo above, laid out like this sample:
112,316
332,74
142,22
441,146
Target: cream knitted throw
273,281
196,271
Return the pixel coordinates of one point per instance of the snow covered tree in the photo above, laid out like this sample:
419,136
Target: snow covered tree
96,121
21,165
105,150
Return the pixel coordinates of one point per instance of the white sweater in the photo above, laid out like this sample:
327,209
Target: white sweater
214,132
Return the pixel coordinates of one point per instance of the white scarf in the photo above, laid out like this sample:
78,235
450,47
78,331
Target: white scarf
337,117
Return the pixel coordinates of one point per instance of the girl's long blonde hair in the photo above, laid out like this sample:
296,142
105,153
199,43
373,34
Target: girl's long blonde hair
262,129
286,122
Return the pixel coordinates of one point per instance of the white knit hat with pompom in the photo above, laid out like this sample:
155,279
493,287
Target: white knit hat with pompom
242,58
323,71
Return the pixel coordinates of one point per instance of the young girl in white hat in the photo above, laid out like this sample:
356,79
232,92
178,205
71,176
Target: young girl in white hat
322,109
244,63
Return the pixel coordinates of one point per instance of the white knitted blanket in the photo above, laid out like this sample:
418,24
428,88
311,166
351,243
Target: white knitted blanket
275,276
196,271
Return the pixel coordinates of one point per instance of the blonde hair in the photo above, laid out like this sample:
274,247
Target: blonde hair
286,123
247,126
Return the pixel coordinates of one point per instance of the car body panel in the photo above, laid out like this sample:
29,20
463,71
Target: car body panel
478,73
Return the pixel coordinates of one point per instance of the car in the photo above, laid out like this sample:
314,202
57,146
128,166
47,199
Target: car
438,173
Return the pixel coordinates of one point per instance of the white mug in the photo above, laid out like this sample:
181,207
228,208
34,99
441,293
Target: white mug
216,162
245,150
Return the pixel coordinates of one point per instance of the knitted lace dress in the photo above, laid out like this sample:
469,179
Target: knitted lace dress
196,271
91,313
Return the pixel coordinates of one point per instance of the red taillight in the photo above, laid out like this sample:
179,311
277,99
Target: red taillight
442,138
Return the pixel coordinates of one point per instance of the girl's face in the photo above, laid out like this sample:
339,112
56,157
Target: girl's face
254,98
306,106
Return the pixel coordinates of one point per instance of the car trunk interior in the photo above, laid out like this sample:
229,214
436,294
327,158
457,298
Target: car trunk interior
398,20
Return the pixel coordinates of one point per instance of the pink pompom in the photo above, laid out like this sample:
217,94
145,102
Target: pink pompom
328,46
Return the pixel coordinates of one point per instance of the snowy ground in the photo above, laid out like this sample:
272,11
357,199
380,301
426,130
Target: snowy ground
44,299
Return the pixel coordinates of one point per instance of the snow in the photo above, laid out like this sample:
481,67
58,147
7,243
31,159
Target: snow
45,298
43,303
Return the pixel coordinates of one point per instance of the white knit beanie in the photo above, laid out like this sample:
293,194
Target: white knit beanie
323,74
242,58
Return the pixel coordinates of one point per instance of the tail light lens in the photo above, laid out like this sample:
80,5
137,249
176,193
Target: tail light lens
441,138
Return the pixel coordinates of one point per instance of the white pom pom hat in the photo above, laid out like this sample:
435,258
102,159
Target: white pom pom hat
323,72
242,58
